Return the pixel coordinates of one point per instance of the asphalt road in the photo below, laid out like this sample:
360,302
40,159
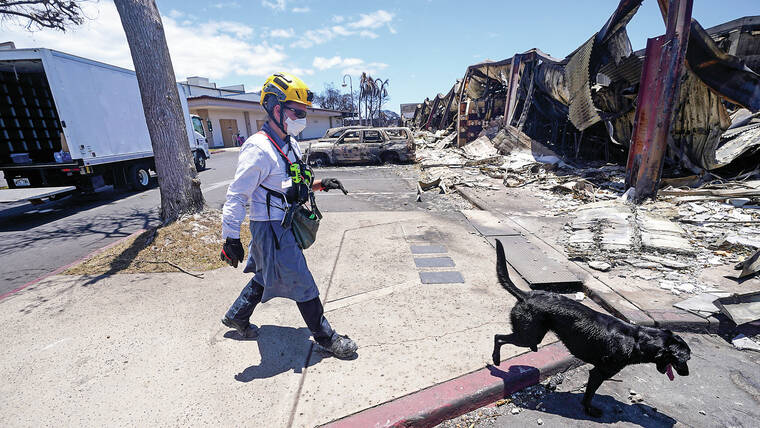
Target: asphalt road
36,240
722,390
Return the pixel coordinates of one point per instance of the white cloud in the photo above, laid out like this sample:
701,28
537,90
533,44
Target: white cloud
174,13
353,66
372,20
224,5
301,9
360,27
282,33
274,5
215,49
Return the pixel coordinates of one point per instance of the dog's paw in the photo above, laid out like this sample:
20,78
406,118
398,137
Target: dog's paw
592,411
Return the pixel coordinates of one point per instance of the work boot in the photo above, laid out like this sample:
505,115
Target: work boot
244,329
341,346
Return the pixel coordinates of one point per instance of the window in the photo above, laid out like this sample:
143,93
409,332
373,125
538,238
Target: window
198,125
397,134
372,136
351,137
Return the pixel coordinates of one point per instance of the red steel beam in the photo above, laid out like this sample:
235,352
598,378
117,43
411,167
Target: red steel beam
657,100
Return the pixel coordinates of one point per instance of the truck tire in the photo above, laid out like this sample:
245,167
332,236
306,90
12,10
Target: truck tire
139,177
200,160
390,157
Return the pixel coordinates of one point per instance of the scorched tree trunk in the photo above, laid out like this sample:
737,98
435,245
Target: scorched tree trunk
177,177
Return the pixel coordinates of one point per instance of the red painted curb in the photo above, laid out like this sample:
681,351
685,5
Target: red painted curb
74,263
456,397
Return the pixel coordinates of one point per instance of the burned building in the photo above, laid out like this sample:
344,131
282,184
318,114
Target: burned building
586,104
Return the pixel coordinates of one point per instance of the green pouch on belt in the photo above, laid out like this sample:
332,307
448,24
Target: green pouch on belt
305,225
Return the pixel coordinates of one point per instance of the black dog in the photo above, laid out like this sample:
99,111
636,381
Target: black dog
606,342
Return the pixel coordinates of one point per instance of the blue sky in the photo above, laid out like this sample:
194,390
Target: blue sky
422,46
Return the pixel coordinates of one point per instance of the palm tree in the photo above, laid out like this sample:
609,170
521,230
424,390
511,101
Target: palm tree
382,93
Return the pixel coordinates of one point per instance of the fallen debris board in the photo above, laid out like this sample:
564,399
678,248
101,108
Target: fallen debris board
452,277
702,305
540,271
488,224
433,262
428,249
751,265
741,308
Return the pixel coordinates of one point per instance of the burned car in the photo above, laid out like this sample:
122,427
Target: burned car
370,145
334,133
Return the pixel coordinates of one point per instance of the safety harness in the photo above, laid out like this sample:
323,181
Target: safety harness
298,193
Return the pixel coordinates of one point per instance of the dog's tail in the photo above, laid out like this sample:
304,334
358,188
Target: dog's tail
503,274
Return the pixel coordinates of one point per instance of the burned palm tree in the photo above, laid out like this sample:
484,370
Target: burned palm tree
381,93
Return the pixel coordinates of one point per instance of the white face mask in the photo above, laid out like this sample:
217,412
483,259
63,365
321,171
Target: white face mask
294,127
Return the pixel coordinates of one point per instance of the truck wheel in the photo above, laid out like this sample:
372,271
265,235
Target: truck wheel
139,177
200,161
390,157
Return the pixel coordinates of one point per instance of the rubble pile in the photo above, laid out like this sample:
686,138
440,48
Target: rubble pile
669,241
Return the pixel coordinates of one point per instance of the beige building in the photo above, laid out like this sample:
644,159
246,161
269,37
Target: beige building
230,111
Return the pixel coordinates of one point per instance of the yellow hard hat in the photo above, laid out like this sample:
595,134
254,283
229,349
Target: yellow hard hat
286,87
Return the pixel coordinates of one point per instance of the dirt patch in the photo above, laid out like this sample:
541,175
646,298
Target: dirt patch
192,244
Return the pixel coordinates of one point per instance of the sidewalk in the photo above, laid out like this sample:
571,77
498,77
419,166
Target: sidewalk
148,349
618,291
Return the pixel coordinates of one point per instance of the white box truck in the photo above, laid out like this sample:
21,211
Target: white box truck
71,121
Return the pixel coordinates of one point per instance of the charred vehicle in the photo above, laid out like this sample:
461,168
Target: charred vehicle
371,145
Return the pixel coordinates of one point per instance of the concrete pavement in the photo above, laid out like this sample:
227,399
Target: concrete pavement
148,349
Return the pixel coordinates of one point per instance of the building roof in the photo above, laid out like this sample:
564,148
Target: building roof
202,101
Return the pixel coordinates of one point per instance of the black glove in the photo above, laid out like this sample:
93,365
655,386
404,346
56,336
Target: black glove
232,252
333,183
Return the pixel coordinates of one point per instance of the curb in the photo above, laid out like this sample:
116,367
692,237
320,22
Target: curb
74,263
675,320
447,400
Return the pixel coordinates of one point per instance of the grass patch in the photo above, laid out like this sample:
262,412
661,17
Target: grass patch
192,243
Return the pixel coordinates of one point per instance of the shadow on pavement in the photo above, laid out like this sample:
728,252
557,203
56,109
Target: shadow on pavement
281,349
517,378
568,405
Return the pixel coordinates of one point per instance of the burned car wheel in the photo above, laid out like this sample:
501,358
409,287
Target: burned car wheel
390,157
318,161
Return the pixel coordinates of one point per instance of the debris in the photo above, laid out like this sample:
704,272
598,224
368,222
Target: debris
600,266
742,308
503,401
480,148
515,410
664,261
750,266
539,421
425,186
742,342
703,304
579,296
702,412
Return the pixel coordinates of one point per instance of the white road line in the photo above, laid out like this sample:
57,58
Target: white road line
211,187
